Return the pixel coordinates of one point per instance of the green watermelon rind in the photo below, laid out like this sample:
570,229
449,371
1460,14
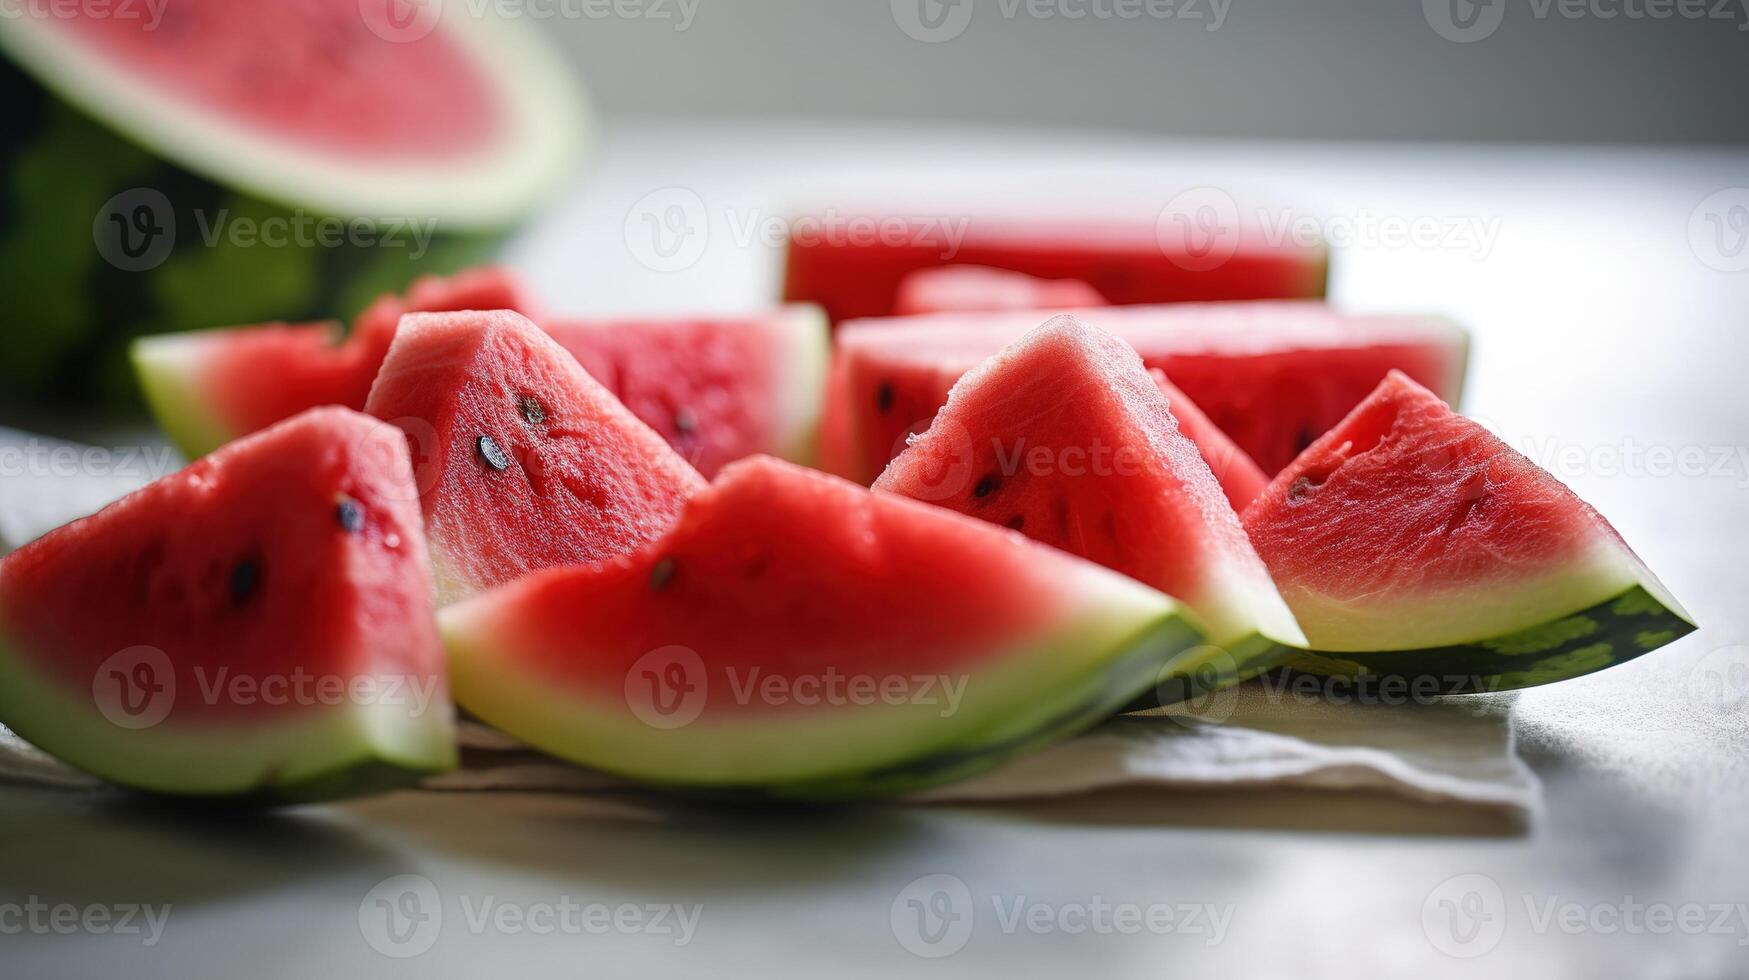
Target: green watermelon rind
1121,645
1614,631
169,367
805,356
341,752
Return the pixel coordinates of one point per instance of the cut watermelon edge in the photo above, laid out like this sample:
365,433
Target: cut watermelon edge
342,752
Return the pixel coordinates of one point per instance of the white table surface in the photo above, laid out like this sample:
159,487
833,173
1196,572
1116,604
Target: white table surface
1603,328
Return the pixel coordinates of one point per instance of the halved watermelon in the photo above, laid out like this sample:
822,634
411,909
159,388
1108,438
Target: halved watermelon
976,288
858,275
1412,542
1272,376
799,634
522,460
257,624
1065,438
718,388
207,387
253,160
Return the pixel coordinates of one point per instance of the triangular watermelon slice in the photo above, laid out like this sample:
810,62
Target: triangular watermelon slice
1412,542
207,387
523,461
1064,437
718,388
800,634
974,288
258,624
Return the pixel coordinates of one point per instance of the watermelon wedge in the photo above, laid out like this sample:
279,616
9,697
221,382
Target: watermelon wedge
854,275
523,461
800,635
717,388
1412,542
207,387
258,624
1065,438
976,288
1272,376
1239,476
253,160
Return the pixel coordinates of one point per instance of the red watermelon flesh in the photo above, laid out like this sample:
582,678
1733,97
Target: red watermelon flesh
1064,437
973,288
859,275
718,388
523,460
190,638
1238,475
207,387
797,627
310,71
1409,526
1272,376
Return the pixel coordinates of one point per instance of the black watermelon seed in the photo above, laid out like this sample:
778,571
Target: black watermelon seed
662,574
1016,522
986,486
1303,441
244,578
685,422
350,515
490,452
884,397
532,411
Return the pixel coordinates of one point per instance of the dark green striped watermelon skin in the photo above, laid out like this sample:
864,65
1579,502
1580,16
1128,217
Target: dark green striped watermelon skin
74,310
1609,633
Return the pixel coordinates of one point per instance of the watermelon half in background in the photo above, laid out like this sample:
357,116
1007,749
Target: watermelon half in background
258,624
976,288
858,275
1273,376
206,163
1413,543
799,635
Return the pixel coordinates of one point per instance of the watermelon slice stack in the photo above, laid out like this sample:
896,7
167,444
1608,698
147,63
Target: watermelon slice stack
580,529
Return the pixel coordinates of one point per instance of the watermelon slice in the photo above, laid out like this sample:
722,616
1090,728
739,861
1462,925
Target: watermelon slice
976,288
1412,542
207,387
249,160
717,388
1064,437
855,275
798,634
523,460
1238,474
1272,376
258,624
